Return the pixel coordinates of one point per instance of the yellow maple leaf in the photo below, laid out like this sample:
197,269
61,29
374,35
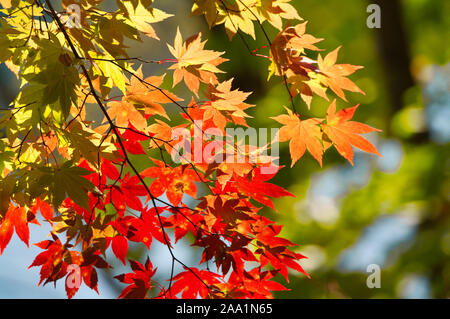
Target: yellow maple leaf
143,17
194,63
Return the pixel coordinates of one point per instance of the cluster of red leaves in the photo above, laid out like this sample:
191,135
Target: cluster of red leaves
226,223
58,261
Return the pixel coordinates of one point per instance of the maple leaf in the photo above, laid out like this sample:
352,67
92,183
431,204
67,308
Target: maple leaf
257,188
298,40
239,16
259,283
302,135
110,170
162,135
127,194
209,8
111,75
146,93
183,220
76,268
189,284
287,48
141,16
75,273
336,74
288,60
226,171
176,181
147,227
225,104
15,218
281,259
119,246
69,180
273,249
236,16
50,140
345,133
51,260
84,143
131,141
274,11
45,209
222,207
138,281
125,112
194,64
306,86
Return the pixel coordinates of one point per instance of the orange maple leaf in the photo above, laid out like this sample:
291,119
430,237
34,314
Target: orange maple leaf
124,112
226,104
302,135
148,94
171,138
344,133
336,74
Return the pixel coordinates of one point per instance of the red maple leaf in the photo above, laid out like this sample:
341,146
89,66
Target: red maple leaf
15,218
139,281
194,282
176,181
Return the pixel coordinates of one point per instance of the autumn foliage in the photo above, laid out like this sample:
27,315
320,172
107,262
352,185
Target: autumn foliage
61,167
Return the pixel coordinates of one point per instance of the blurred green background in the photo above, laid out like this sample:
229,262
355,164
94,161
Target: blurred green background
392,211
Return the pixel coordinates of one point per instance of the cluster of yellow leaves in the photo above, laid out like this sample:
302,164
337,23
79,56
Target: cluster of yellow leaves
305,76
240,15
48,123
